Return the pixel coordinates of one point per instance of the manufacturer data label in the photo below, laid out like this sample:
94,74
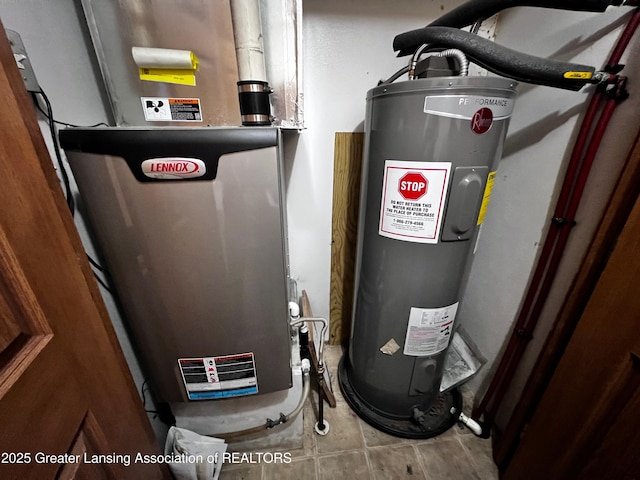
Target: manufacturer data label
429,330
219,377
413,200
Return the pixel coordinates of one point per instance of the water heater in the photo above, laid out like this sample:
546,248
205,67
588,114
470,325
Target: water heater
432,147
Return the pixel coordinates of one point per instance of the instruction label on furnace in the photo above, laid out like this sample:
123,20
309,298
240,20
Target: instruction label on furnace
219,377
160,109
429,330
413,200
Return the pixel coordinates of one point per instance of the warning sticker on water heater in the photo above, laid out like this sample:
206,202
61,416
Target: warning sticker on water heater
429,330
413,200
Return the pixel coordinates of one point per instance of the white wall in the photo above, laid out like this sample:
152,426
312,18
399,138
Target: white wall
537,148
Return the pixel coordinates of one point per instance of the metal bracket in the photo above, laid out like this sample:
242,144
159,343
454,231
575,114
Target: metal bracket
618,90
23,62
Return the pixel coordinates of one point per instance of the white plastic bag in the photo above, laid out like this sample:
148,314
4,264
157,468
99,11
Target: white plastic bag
204,455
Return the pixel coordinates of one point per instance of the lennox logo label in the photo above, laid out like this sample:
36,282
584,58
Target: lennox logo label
172,168
482,120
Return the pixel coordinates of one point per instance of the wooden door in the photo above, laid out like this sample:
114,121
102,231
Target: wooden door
587,424
64,385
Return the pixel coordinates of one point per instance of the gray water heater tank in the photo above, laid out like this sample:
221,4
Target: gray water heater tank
432,147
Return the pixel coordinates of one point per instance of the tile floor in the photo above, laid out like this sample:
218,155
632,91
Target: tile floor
355,450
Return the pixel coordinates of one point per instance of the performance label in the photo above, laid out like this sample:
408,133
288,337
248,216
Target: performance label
465,106
413,200
429,330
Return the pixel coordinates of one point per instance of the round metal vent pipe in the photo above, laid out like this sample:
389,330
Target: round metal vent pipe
253,88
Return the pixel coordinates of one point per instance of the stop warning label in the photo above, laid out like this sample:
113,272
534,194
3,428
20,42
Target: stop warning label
412,185
413,200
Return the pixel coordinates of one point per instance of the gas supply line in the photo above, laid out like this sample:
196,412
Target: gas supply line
269,423
322,426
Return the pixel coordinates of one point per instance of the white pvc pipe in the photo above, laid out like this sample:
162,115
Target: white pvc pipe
247,33
474,426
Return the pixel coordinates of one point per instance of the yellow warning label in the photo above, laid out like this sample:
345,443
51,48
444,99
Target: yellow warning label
578,75
487,197
168,75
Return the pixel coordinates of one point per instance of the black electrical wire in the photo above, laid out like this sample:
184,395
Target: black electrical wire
63,171
103,270
102,282
395,76
65,124
144,398
97,265
56,146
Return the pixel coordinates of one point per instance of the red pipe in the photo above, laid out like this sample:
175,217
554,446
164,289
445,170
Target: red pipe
592,150
566,207
624,39
576,155
513,352
520,340
574,202
505,367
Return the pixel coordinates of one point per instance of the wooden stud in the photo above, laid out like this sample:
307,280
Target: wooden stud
346,200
